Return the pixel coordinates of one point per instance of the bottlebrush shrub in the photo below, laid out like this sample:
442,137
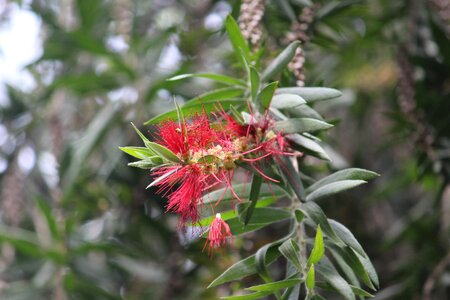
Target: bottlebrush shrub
254,126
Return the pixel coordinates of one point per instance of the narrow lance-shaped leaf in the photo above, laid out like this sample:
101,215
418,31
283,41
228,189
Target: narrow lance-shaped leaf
260,257
329,273
288,101
217,95
144,139
265,96
138,152
298,125
311,94
310,279
315,213
346,174
309,145
318,250
198,107
143,164
244,268
216,77
237,40
274,286
333,188
291,250
347,237
281,61
254,82
254,194
292,177
252,296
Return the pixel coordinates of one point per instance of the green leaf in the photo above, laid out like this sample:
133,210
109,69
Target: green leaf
252,296
263,215
360,292
47,213
143,164
237,40
254,194
346,174
244,268
144,139
310,279
303,111
354,263
291,250
345,268
315,213
297,125
330,275
370,269
299,215
347,237
216,77
224,194
318,250
265,96
237,227
280,62
260,257
164,152
191,109
274,286
138,152
333,188
309,145
311,94
292,177
356,290
255,82
216,95
287,101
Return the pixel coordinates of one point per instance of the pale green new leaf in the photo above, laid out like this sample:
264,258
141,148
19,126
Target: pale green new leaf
138,152
318,250
310,278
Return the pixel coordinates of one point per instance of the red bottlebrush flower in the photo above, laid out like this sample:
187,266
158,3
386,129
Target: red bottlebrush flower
207,159
218,233
194,135
185,199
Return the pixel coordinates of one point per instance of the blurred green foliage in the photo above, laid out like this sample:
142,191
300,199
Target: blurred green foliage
92,231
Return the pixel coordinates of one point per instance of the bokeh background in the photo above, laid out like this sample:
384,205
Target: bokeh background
77,223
